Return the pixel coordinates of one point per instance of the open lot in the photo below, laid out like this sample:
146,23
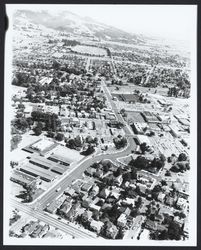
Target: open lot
133,116
131,88
127,97
83,49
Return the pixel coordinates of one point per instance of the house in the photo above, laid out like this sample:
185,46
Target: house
90,171
70,192
182,203
37,231
179,220
143,188
95,190
27,111
52,208
66,206
96,225
80,211
111,230
86,186
159,218
161,228
104,193
29,228
77,185
86,216
166,211
86,203
161,197
128,201
169,201
72,213
151,225
127,211
115,193
106,206
44,230
98,173
122,220
94,207
119,180
75,121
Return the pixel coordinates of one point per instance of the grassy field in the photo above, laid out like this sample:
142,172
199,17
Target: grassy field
83,49
133,116
130,88
127,97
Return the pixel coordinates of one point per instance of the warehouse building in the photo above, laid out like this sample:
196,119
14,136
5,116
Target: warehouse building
22,178
35,171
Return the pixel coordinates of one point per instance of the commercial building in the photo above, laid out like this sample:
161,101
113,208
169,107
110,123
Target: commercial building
139,127
22,178
38,172
150,117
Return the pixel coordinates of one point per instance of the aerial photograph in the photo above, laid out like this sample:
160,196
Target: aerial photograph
99,125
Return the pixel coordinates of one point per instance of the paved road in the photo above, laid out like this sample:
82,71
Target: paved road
76,173
108,59
51,221
88,64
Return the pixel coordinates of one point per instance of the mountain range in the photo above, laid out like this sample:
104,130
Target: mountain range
74,24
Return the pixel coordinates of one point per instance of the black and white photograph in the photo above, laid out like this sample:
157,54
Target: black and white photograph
100,125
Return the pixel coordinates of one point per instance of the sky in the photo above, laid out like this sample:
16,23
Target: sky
170,21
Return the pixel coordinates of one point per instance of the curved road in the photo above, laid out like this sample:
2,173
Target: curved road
38,206
84,164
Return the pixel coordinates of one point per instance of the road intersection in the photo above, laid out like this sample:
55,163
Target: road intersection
52,193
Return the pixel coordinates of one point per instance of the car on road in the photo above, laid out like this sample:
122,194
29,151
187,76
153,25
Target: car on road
59,218
58,189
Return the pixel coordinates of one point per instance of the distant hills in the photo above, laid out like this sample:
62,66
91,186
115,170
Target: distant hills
69,22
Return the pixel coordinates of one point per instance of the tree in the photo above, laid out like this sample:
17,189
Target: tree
162,157
144,147
120,142
138,203
59,137
127,176
163,183
180,214
50,134
140,162
157,163
15,141
120,234
182,157
133,174
118,172
21,124
89,151
70,144
167,173
174,231
163,235
152,133
78,141
38,129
